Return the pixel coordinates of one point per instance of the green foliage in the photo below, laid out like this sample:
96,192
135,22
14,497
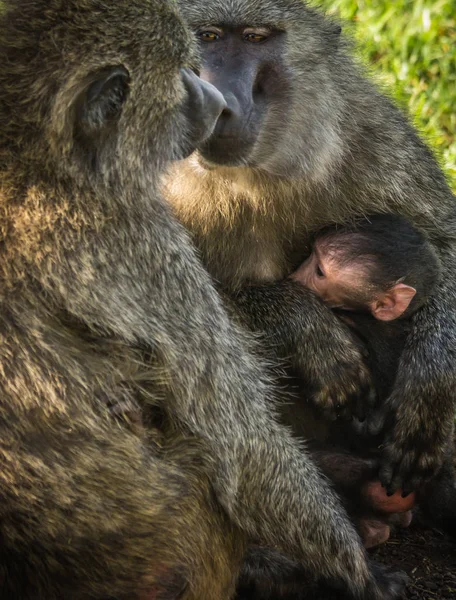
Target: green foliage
411,46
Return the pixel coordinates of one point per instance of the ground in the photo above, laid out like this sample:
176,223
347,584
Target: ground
428,557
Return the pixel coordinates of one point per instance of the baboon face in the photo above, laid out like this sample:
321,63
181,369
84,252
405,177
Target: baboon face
108,92
269,60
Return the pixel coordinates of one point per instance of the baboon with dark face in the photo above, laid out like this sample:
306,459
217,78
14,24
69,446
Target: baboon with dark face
104,303
306,141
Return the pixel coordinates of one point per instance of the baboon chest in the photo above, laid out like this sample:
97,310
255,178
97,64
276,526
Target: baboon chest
253,254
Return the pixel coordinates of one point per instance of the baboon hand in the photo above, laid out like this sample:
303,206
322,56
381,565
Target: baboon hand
321,349
339,378
414,447
408,465
388,585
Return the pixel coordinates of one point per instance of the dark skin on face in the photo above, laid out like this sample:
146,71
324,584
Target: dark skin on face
243,64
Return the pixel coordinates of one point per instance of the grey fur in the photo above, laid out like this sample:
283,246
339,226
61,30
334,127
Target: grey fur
103,301
337,148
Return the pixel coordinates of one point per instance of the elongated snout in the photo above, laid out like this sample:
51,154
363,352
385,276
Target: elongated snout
204,105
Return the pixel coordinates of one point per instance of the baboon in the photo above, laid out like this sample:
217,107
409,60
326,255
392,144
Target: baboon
375,273
104,303
306,141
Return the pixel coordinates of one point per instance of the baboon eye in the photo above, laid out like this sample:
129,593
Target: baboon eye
319,271
209,35
256,36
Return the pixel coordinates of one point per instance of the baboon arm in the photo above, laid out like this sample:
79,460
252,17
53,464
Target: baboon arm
422,403
268,486
300,328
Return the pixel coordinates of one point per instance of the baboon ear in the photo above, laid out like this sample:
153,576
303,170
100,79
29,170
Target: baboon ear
333,33
102,100
393,303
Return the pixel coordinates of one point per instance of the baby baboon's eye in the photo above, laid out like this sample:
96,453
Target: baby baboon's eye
319,271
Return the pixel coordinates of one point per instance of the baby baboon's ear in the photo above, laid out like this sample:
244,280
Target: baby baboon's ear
393,303
101,101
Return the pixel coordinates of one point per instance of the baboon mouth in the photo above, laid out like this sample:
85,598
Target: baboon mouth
226,150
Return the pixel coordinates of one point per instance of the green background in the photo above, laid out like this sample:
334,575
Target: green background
411,49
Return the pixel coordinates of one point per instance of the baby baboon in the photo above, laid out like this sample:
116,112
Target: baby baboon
379,265
306,141
376,273
104,303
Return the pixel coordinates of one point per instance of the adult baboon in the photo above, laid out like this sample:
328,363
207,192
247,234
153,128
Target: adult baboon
104,302
306,140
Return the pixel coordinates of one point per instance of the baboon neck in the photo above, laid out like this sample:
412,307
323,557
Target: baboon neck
207,196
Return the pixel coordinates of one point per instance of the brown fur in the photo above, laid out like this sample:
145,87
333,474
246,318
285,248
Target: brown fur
330,147
103,301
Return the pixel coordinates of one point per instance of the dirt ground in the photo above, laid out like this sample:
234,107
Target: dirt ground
427,556
429,559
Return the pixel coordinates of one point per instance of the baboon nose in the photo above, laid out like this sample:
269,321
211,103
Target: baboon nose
203,106
206,99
